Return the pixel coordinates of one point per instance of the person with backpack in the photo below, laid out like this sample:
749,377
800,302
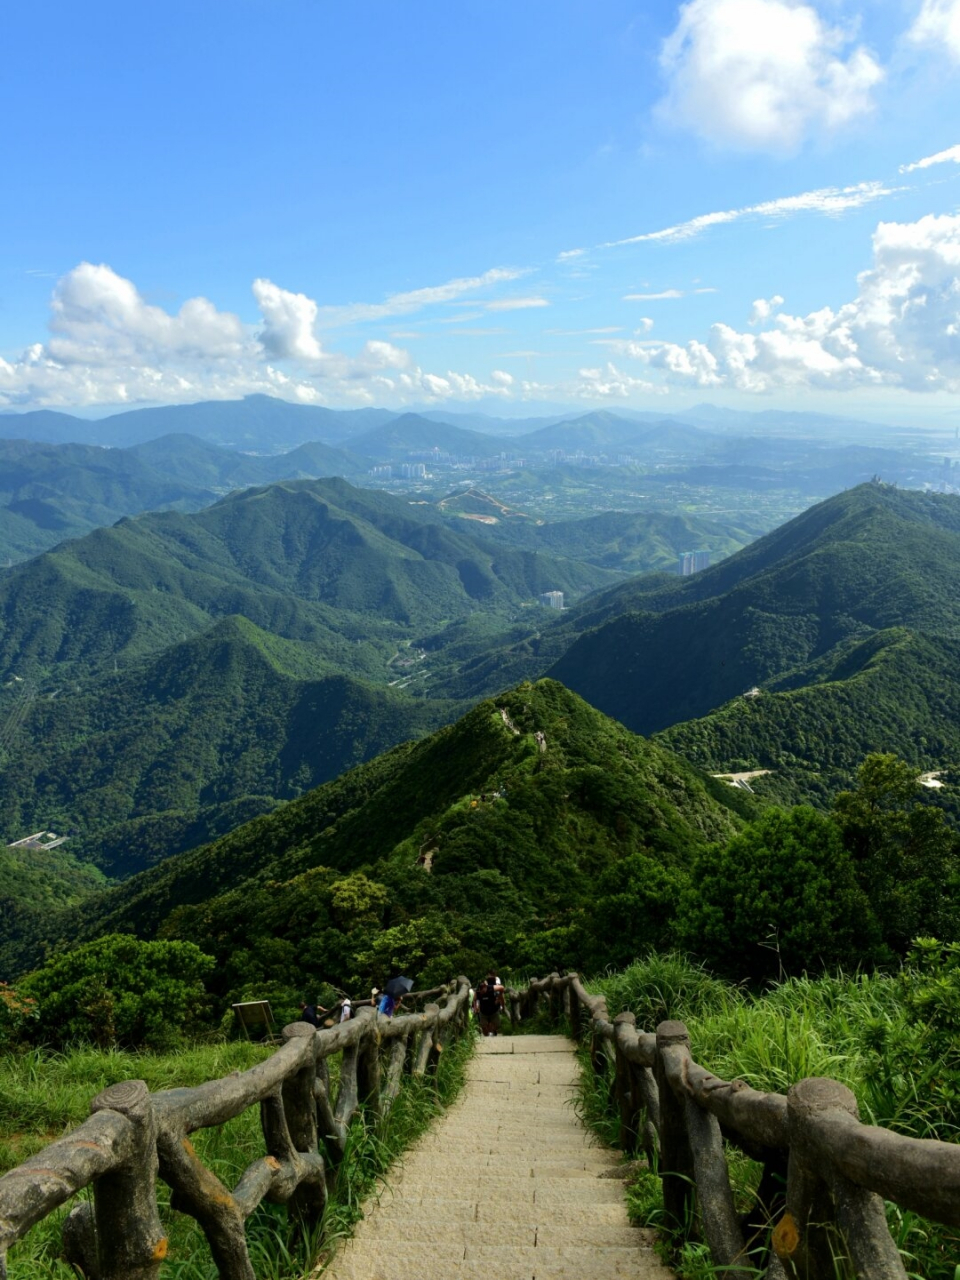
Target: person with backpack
488,1004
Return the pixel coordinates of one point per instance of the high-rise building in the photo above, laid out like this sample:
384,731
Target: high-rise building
693,562
552,599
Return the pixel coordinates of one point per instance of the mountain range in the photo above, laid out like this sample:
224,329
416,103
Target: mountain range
501,838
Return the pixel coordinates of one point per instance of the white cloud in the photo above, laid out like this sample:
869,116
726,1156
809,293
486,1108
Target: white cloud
502,378
108,346
831,201
645,325
401,304
608,383
763,74
901,330
569,254
763,308
952,154
288,322
938,24
654,297
515,304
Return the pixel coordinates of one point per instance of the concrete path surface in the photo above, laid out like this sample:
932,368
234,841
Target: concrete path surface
507,1185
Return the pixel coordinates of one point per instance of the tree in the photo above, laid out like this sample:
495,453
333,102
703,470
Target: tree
780,897
906,857
119,991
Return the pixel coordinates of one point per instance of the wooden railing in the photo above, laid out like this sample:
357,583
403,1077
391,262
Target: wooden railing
825,1174
132,1135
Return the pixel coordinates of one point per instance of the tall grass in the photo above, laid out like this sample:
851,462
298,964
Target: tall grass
43,1095
855,1028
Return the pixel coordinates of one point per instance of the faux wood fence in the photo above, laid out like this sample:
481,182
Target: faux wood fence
825,1174
132,1135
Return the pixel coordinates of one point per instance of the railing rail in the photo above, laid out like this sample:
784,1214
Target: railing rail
825,1173
132,1135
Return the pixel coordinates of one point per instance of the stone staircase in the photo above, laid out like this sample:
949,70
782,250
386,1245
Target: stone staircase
508,1185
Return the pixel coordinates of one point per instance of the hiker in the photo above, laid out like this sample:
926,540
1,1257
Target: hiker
488,1004
310,1013
389,1005
346,1010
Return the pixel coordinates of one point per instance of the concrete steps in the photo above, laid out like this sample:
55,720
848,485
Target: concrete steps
507,1186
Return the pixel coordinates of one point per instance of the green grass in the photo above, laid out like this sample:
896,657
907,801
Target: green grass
43,1095
853,1028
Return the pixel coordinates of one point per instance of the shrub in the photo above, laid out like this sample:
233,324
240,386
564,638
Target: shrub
119,991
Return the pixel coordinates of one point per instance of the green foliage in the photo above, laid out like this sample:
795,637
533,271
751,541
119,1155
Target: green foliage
44,1094
906,857
781,897
334,886
120,991
891,1038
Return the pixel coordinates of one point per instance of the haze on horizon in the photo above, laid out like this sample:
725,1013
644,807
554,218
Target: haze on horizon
751,202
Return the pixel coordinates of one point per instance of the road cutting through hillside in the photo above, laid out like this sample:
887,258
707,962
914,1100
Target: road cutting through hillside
507,1185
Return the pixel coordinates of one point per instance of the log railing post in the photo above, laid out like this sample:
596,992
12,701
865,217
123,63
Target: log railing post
818,1196
130,1243
627,1090
300,1109
676,1158
368,1069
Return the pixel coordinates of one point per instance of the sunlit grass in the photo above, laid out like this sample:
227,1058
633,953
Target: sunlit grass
44,1095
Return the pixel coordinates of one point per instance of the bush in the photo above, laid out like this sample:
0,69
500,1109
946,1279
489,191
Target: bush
781,898
119,991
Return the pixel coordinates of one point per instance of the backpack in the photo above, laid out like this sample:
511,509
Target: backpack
488,1001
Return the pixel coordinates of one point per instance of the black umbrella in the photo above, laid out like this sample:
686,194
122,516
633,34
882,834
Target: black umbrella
398,986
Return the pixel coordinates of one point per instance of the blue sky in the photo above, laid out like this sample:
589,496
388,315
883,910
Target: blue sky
415,203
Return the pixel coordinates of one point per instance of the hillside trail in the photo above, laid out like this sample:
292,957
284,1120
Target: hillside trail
507,1185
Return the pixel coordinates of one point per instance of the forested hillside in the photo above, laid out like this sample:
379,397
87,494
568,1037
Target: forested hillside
487,841
50,492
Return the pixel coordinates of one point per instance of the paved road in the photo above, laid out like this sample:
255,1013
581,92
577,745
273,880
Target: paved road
508,1185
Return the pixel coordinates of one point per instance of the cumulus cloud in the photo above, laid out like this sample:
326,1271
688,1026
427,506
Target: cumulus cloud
951,154
288,322
608,383
763,308
901,330
109,346
938,23
763,74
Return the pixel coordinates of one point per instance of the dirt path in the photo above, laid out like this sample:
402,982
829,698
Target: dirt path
508,1185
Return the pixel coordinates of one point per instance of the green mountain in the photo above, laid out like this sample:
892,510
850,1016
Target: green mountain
629,541
52,492
501,837
192,742
412,433
171,676
895,691
864,561
255,422
312,561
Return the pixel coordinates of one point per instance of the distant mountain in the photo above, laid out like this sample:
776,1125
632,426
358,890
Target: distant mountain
602,431
52,492
896,690
318,562
632,542
184,747
256,422
504,832
867,560
412,432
